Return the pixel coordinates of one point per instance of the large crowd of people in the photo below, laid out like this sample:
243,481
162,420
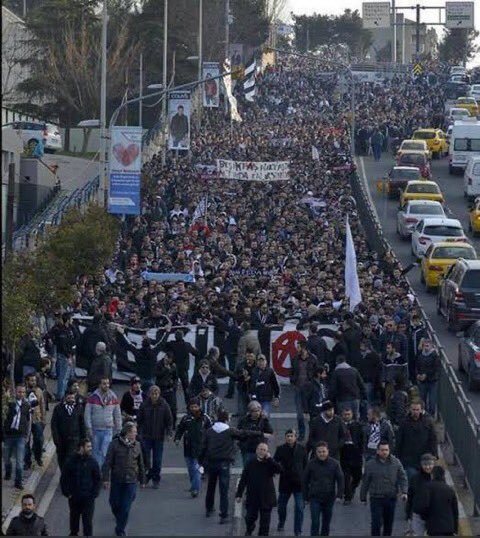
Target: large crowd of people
261,254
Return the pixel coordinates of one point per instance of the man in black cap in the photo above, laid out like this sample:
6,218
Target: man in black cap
416,493
132,400
329,428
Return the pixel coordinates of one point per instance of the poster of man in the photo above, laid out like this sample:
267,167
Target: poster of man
179,120
236,59
210,88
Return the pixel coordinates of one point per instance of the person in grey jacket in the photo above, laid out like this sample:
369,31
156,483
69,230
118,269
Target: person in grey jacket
248,340
384,478
122,470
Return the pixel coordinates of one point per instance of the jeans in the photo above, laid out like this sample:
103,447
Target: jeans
83,508
382,510
64,372
247,457
377,151
251,518
155,447
171,398
299,408
354,405
121,498
266,406
428,393
101,441
353,475
283,499
218,470
325,509
194,473
37,442
14,446
418,525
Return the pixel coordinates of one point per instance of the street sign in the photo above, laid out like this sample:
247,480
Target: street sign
376,14
417,69
459,15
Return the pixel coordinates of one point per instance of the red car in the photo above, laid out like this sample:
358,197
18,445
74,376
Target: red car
416,159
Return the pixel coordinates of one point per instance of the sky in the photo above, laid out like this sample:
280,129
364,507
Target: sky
337,7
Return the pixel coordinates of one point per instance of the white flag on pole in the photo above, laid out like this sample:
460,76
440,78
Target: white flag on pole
352,286
227,82
315,154
200,210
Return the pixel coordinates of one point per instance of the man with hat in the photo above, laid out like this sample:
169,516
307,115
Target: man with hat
329,428
416,493
132,400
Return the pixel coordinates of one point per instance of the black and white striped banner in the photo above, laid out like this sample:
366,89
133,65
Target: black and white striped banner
249,80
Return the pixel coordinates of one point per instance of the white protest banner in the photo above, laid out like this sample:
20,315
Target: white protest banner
254,170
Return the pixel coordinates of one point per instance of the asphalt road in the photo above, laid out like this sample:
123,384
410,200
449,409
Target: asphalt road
452,188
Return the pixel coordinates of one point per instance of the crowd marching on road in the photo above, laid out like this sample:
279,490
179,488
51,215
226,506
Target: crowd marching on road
263,254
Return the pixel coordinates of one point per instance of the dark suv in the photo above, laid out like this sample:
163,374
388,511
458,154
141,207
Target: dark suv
469,355
459,294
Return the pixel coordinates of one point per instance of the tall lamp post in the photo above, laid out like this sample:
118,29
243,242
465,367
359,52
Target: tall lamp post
347,68
102,191
164,81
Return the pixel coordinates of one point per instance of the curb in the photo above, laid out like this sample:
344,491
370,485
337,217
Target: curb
30,485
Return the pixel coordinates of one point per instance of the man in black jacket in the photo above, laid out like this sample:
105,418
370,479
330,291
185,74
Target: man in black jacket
416,493
68,427
132,400
218,454
62,336
347,388
370,368
166,377
292,456
181,352
264,385
254,420
323,481
316,345
316,392
28,523
257,479
440,506
100,368
351,454
329,428
80,483
427,370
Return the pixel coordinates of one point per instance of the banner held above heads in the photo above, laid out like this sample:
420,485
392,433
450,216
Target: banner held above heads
167,277
254,170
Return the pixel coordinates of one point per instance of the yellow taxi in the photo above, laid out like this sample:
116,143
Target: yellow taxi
436,141
469,103
438,259
414,145
421,190
475,217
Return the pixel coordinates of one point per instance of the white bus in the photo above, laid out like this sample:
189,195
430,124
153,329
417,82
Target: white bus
464,144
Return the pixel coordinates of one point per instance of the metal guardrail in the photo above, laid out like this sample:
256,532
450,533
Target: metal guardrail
461,424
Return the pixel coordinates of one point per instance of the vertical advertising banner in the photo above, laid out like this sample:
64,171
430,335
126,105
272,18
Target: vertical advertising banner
236,60
125,170
211,87
179,120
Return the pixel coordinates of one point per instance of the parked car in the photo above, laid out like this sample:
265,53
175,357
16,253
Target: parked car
32,133
459,294
415,211
435,230
416,159
469,355
399,176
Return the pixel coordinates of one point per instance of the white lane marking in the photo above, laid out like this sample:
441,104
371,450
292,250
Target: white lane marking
48,495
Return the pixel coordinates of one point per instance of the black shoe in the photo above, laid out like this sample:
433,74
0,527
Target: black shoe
280,528
209,512
229,396
194,493
18,485
8,476
156,484
223,520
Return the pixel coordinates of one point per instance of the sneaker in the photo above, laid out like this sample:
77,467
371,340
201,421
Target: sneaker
194,493
156,484
209,512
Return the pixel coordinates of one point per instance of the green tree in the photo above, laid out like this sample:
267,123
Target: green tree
349,29
458,45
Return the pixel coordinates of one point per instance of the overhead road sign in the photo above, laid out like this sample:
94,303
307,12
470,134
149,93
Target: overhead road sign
417,69
376,14
459,15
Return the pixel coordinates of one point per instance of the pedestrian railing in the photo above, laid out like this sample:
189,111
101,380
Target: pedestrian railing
461,424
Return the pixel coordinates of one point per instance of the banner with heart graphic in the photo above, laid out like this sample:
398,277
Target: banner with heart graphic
125,167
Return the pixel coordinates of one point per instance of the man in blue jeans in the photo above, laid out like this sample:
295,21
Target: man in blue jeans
384,479
292,456
122,470
323,481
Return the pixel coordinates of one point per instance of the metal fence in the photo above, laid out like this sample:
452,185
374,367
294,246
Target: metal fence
461,425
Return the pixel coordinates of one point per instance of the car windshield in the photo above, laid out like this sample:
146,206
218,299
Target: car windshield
422,188
472,279
416,146
443,230
454,253
424,135
405,174
413,158
426,210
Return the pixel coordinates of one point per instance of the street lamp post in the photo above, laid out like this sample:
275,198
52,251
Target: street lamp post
348,69
164,81
102,191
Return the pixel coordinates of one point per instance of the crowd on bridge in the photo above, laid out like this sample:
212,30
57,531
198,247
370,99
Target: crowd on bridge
260,255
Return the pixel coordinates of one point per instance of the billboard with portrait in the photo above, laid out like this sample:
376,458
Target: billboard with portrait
179,107
211,87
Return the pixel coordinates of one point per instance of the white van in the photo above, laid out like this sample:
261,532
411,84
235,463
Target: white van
464,144
472,178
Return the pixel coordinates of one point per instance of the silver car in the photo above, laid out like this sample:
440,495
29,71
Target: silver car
415,211
469,355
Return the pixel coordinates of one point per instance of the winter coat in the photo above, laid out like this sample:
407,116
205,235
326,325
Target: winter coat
394,366
369,366
346,384
333,432
30,354
181,352
315,393
129,406
293,461
397,410
429,365
316,345
88,341
193,430
166,377
264,386
257,479
414,438
386,435
310,362
154,419
400,343
197,383
248,340
67,429
63,338
243,385
352,451
25,419
440,507
103,412
323,480
81,477
101,367
124,462
23,526
416,492
247,422
383,478
211,406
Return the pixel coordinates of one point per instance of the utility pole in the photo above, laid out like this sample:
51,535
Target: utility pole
227,29
308,39
140,118
102,191
10,206
165,98
417,40
394,31
200,39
